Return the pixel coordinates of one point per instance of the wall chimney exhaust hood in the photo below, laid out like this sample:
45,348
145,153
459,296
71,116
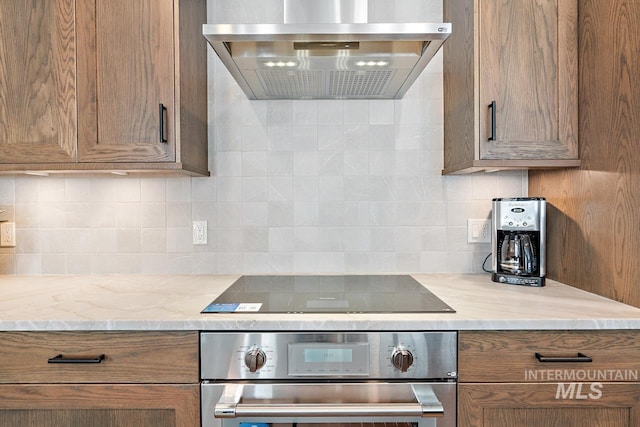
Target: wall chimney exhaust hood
309,58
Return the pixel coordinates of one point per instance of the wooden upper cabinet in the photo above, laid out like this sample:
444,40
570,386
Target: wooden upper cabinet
37,81
101,85
127,73
510,74
142,85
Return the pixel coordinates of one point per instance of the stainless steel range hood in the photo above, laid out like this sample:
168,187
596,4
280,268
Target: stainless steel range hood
308,58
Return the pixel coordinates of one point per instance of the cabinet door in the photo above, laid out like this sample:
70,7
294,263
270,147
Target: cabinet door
549,405
126,72
528,67
99,406
37,81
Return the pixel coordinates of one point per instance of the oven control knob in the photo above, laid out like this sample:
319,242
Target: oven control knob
255,359
402,359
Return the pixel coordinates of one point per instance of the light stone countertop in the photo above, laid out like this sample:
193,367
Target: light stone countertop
174,302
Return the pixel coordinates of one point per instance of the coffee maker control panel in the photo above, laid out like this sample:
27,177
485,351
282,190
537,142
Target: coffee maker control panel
519,216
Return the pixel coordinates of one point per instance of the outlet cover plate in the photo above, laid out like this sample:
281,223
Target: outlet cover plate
8,234
199,232
478,231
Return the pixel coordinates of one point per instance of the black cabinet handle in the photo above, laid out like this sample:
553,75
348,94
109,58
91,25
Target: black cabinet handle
492,125
579,358
163,131
61,358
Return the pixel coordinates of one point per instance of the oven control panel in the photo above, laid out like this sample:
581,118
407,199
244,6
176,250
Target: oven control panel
327,359
299,355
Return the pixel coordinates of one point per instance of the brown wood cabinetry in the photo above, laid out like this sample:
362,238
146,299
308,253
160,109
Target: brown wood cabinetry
510,85
143,379
592,213
152,405
503,382
110,84
37,82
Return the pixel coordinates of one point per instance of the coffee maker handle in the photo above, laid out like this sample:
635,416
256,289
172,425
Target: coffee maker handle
529,258
504,249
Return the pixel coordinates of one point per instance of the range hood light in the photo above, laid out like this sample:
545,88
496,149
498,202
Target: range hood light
372,63
281,64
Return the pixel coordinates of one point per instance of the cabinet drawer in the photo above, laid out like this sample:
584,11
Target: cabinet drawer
510,356
129,357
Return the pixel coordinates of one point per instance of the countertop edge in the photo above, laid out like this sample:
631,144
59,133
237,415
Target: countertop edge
310,325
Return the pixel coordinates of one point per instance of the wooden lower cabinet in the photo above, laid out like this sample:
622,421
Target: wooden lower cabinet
553,378
549,405
99,405
99,379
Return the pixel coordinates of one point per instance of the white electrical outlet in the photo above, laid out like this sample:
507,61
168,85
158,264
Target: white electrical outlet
478,231
199,232
8,234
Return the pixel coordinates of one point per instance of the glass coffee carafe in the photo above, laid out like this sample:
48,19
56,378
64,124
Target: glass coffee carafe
517,255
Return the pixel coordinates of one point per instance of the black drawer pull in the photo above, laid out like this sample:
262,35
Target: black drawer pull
163,124
61,358
492,119
563,359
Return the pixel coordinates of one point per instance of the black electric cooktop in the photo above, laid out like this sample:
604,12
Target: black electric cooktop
327,294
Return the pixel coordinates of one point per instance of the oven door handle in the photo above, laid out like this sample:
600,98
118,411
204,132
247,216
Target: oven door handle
426,405
327,410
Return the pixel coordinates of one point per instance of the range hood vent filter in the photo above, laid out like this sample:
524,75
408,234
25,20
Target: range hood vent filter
290,84
359,84
342,84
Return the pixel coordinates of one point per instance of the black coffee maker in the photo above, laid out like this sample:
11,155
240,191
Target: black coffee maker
518,240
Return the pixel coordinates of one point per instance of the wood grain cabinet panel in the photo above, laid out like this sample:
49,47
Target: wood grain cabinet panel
129,357
545,405
99,405
104,85
142,85
585,378
510,85
145,379
37,81
592,213
129,72
510,356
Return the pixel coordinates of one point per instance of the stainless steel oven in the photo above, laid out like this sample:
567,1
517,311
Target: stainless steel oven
304,379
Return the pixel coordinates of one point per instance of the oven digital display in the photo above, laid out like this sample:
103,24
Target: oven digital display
328,355
328,359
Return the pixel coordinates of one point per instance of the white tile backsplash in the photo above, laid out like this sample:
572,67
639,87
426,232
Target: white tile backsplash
312,186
